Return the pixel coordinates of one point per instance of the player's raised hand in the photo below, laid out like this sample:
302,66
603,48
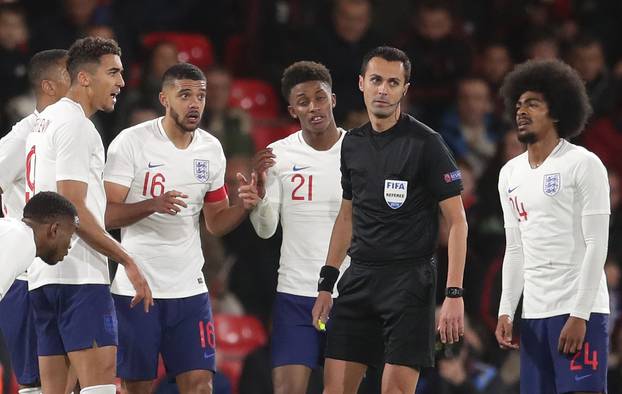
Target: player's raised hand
504,333
321,310
451,320
247,192
572,335
143,291
169,202
263,160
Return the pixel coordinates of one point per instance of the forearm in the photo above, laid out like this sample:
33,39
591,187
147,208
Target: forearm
122,214
97,238
340,240
225,220
512,277
595,234
265,219
456,249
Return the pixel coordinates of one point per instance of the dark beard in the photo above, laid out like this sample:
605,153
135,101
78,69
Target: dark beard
178,122
527,138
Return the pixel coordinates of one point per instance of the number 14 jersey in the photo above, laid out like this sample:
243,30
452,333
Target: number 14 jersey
166,247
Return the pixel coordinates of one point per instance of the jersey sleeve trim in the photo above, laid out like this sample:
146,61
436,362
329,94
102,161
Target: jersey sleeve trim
216,195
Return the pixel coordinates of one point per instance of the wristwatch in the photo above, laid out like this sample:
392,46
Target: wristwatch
454,292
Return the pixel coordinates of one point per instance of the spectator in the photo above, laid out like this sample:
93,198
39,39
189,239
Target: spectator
232,126
495,62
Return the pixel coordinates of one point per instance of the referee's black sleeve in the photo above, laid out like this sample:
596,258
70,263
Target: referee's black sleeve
346,182
442,176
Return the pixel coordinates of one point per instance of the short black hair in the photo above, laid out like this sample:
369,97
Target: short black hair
183,71
303,71
561,87
585,40
42,63
12,8
46,207
88,51
389,54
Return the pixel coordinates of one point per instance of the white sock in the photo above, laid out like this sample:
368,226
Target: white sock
30,390
100,389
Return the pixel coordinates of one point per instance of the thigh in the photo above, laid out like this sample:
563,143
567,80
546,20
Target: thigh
586,370
354,330
405,299
86,317
537,375
139,340
291,379
294,339
54,374
18,328
342,377
94,366
189,338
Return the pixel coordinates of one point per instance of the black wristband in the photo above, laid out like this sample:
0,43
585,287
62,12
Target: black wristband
454,292
328,277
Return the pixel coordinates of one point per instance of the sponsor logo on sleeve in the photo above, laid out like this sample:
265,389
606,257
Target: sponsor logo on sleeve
452,176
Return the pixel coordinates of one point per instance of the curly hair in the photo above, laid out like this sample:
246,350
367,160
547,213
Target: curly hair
88,51
561,87
46,207
303,71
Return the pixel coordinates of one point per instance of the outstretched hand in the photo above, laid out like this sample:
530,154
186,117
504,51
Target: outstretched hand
247,192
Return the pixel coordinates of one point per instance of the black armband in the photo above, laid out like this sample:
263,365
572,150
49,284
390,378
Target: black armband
328,277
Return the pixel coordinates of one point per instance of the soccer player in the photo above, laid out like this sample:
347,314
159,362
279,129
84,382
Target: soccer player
45,231
396,173
302,178
160,176
47,73
72,304
555,200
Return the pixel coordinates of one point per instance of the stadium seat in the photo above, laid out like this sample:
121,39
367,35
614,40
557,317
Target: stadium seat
193,48
236,336
255,96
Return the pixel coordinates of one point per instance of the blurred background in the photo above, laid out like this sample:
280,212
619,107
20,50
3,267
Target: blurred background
461,50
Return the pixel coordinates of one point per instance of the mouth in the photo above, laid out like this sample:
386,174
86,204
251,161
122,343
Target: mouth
114,96
381,103
315,120
523,123
193,117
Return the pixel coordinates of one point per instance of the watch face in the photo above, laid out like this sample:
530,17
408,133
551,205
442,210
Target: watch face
454,292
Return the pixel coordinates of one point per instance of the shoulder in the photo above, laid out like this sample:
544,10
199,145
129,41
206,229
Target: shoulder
137,133
284,143
579,157
512,163
18,232
206,138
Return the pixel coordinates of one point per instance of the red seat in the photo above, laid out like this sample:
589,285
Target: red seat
256,97
193,48
236,336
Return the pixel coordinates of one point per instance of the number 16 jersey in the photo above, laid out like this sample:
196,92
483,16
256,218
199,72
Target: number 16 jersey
166,247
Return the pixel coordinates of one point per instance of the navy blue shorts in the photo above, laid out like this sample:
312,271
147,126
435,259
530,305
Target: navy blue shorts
294,339
18,327
181,329
545,370
73,317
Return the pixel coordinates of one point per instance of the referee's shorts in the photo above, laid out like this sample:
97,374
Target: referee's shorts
385,314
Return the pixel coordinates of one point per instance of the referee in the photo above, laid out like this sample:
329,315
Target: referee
396,173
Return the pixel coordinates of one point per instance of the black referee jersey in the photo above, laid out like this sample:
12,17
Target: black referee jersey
395,180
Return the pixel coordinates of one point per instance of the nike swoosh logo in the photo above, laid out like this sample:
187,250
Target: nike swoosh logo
300,168
206,356
579,378
510,190
155,165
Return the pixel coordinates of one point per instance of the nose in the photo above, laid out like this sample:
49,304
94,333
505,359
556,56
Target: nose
121,81
383,88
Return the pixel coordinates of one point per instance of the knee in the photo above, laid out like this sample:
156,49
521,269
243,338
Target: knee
200,383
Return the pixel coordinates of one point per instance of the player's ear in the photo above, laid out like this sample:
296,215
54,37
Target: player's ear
361,80
334,97
47,87
291,111
163,99
84,78
406,89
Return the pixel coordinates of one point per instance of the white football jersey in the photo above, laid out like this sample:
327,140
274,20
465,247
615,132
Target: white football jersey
166,247
17,252
65,145
304,186
546,204
13,165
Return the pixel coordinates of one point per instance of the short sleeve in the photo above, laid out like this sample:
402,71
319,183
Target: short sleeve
346,180
16,256
217,177
12,160
443,177
120,162
509,219
73,150
592,186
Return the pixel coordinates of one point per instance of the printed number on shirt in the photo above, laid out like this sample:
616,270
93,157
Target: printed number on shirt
520,208
31,160
299,191
207,330
153,184
575,363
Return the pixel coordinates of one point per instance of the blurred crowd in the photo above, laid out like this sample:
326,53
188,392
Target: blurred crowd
460,50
